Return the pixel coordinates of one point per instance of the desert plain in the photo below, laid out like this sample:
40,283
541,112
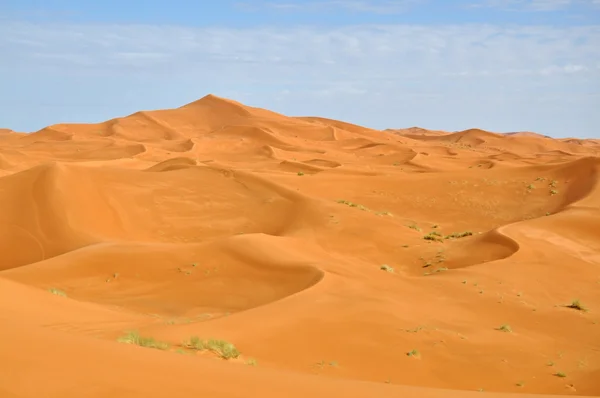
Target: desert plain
222,250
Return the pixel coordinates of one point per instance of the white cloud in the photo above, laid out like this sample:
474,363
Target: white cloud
468,74
364,53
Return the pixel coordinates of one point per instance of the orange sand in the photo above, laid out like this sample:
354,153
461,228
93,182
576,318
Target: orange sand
224,221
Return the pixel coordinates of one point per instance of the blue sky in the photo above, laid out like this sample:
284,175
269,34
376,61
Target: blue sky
500,65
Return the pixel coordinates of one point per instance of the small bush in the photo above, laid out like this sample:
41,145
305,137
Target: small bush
300,173
456,235
413,353
577,305
58,292
387,268
505,328
433,236
560,374
225,349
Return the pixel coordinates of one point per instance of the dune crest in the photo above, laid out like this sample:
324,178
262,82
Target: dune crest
338,259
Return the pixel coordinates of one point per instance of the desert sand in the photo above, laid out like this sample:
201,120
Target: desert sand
339,260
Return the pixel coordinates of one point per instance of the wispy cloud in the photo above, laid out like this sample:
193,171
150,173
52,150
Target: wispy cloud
379,75
365,52
358,6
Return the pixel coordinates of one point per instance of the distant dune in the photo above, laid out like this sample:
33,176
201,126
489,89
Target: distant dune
325,259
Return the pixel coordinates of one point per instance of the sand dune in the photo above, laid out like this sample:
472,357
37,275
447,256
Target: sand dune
339,260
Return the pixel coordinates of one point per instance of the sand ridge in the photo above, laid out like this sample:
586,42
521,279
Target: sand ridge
340,260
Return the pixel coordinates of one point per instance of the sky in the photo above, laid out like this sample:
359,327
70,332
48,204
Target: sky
499,65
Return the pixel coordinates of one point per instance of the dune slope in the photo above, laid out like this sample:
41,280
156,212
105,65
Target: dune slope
338,260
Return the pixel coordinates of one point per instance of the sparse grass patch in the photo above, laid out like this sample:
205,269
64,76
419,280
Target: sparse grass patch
577,305
553,192
433,236
194,343
505,328
251,362
133,337
456,235
415,227
348,203
553,183
413,353
560,374
57,292
530,187
550,363
300,173
224,349
387,268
